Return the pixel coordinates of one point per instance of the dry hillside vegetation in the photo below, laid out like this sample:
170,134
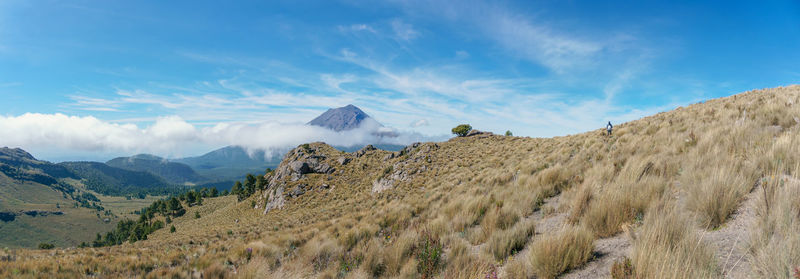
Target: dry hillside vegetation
669,187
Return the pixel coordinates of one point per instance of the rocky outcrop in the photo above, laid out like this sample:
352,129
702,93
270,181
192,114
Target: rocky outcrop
415,158
363,151
304,160
274,199
312,167
300,167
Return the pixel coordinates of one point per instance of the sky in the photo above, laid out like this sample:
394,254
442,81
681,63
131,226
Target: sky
96,79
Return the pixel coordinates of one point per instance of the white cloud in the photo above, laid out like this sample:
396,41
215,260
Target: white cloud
356,28
420,123
555,50
404,31
169,136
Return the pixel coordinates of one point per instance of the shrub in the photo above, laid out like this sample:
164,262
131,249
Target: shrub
197,215
555,253
508,133
429,254
462,130
46,246
172,229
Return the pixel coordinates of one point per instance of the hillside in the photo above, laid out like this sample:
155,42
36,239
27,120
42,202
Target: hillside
172,172
704,191
41,202
109,180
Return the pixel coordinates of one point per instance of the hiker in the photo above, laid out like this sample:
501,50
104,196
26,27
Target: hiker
609,127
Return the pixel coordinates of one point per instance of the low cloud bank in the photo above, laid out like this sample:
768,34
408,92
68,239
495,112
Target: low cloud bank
171,136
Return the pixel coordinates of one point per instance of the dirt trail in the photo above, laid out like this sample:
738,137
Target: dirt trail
606,252
549,223
732,240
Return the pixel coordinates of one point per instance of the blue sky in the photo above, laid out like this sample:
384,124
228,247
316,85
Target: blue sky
177,74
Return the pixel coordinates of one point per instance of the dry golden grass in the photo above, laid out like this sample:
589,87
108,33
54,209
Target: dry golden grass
665,177
505,243
775,242
668,247
551,255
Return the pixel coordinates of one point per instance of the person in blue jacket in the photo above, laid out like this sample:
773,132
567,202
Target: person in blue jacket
609,127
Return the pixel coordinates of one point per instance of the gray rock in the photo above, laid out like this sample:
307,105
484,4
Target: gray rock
408,149
296,177
300,167
324,168
381,185
298,190
343,160
363,151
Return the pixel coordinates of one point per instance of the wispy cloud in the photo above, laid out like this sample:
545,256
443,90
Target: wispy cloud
356,28
530,37
540,43
404,31
430,97
420,123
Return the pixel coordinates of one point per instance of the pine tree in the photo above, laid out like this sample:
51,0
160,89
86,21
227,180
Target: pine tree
250,185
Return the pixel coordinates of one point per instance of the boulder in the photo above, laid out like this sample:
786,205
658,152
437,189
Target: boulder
343,160
324,168
300,167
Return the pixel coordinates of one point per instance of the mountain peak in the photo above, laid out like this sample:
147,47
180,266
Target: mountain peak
340,119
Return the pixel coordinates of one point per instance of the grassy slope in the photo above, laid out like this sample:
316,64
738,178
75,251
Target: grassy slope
667,178
76,225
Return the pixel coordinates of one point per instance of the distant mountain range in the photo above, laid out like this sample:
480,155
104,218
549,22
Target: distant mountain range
172,172
230,163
